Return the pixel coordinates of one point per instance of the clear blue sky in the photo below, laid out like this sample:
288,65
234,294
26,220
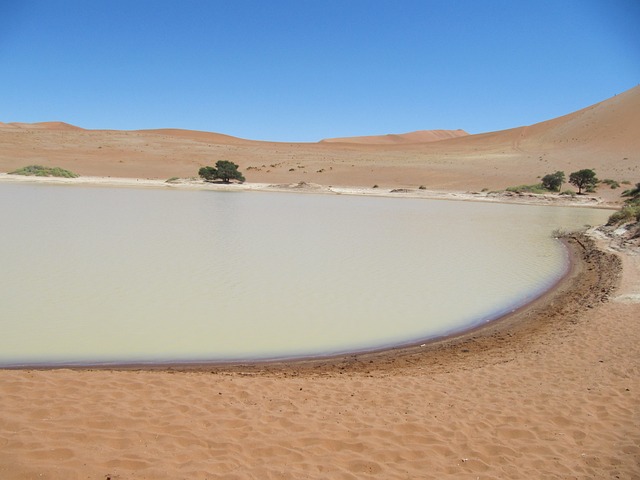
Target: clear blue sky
302,70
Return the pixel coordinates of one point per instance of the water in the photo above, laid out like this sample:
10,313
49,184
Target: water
107,275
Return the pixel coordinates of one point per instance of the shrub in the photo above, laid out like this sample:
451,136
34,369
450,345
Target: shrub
535,188
40,171
612,183
632,192
626,214
570,193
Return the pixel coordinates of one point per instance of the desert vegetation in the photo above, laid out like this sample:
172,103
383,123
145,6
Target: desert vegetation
40,171
630,211
613,184
552,182
533,188
584,179
224,170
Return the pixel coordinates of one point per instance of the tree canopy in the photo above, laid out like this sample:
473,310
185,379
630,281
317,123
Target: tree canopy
224,170
553,181
585,178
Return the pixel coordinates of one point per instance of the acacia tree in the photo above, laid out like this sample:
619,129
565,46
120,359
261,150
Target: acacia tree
585,178
224,170
553,181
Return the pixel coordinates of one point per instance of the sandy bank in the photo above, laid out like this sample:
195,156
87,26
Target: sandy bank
303,187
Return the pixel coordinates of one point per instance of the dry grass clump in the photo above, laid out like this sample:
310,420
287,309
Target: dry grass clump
40,171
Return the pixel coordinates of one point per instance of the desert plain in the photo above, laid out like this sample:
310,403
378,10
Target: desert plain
549,392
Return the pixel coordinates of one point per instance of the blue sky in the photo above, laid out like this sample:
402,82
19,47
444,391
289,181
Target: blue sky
305,70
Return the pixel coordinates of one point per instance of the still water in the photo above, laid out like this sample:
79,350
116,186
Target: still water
116,275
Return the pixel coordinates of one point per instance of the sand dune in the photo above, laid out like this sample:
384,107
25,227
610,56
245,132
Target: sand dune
603,137
420,136
40,126
612,124
205,137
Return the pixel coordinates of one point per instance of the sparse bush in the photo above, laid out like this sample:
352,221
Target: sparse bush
535,188
422,187
632,192
172,180
40,171
629,213
612,183
570,193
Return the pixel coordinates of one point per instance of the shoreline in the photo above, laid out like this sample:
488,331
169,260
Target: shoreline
375,357
588,279
591,278
583,201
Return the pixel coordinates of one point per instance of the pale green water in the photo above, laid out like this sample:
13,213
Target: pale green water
91,275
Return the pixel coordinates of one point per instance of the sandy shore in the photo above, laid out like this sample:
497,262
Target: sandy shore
551,392
304,187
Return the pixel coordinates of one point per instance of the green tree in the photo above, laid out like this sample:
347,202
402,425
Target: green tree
224,170
553,181
583,179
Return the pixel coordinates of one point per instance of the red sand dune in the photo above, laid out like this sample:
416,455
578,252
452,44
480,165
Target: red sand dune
604,136
420,136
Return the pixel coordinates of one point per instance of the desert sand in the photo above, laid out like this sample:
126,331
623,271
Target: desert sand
549,392
603,137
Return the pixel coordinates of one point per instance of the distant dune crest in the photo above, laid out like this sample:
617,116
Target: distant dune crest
197,135
40,126
419,136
